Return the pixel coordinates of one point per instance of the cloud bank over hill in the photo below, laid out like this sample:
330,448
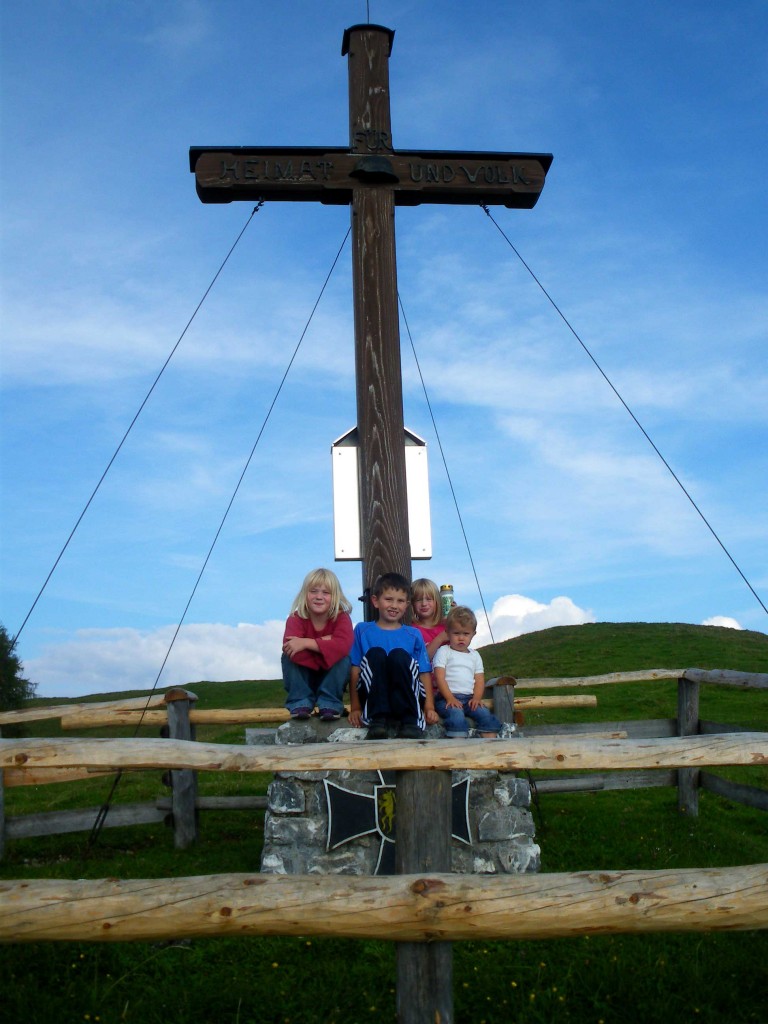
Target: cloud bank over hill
722,620
514,614
104,660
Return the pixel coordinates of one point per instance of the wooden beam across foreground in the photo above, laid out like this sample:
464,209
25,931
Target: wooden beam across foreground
517,754
413,908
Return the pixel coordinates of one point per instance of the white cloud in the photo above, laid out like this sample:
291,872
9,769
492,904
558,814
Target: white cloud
515,614
722,620
105,660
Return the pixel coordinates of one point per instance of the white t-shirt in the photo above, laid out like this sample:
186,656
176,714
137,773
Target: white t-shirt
460,669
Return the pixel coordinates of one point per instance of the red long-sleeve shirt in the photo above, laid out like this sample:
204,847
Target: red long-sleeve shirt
334,640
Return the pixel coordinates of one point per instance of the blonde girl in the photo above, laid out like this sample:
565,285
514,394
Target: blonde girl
316,645
428,615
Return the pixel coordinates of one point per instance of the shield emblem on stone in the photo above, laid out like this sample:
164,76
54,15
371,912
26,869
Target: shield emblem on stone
386,798
352,815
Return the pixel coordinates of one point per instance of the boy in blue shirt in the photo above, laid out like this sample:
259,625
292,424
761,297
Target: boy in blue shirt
390,670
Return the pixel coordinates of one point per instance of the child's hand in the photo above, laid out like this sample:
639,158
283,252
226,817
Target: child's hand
452,702
355,718
293,644
475,703
431,716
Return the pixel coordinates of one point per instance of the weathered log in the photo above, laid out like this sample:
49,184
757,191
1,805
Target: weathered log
706,726
213,716
221,803
50,823
86,719
43,712
579,700
641,676
515,754
727,677
639,728
401,907
605,781
749,796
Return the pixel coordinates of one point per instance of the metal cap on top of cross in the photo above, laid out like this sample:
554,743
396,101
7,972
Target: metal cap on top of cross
373,178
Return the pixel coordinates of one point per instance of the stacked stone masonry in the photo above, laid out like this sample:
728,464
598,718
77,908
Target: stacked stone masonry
499,824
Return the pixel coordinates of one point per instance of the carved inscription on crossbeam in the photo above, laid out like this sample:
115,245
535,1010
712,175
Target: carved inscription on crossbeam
328,175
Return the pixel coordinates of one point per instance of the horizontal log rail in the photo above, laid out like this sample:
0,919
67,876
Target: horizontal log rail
716,677
85,719
411,908
49,776
726,677
43,712
558,682
545,752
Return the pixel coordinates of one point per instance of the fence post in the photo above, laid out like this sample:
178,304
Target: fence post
688,725
504,699
423,845
184,782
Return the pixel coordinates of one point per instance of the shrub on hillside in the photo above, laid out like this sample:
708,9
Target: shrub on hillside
14,688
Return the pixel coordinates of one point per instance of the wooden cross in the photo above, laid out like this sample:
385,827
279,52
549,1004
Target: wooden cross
372,178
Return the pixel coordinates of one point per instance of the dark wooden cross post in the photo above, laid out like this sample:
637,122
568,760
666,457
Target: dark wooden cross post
373,178
383,500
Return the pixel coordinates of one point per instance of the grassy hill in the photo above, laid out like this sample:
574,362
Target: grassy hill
600,647
594,979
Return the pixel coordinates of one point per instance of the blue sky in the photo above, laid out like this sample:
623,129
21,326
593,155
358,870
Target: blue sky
649,235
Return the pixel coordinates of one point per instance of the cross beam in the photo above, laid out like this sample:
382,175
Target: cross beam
330,176
372,177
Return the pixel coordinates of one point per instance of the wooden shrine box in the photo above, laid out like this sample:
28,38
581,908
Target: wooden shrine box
346,497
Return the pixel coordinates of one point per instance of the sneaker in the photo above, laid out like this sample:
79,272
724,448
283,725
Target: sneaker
377,730
329,715
301,713
411,732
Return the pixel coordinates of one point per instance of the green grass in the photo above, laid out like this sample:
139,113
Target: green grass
710,978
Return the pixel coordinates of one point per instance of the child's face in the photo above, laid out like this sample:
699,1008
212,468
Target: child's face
460,637
319,601
424,607
391,605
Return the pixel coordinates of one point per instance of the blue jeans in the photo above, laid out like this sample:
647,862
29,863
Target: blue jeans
306,687
455,722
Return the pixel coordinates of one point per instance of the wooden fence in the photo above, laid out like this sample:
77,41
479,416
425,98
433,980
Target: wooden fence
423,908
417,907
176,711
